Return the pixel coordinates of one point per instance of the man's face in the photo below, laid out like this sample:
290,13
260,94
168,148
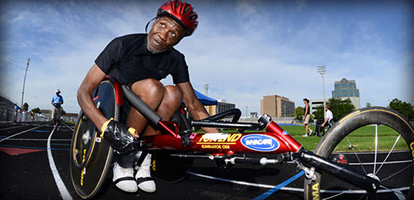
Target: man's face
164,33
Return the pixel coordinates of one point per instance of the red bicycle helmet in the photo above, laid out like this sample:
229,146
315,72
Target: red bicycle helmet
181,12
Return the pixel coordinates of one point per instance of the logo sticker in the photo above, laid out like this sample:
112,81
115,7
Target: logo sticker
262,143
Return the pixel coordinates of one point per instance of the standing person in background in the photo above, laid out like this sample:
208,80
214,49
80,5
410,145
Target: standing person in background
16,111
57,101
306,117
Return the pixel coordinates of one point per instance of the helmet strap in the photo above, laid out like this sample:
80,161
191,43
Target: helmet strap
146,27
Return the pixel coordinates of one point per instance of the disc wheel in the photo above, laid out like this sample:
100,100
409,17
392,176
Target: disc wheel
90,154
382,147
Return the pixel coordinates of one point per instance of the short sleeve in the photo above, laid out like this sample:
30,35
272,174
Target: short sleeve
110,56
180,74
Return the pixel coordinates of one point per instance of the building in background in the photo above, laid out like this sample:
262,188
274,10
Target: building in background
6,109
277,106
221,106
314,103
345,89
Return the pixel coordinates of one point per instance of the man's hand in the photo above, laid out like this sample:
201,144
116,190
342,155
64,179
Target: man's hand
120,136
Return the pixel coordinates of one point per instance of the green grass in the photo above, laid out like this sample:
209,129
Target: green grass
362,139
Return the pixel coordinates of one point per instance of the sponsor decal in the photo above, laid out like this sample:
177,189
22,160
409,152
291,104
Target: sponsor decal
315,191
215,146
83,172
412,153
222,138
412,149
218,140
154,165
262,143
285,132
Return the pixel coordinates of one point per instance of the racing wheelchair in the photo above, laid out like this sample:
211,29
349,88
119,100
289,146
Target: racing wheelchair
319,130
174,150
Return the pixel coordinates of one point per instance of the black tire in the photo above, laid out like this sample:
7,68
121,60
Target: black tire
167,167
393,168
90,154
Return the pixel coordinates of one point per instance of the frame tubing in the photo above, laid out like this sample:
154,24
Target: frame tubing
342,172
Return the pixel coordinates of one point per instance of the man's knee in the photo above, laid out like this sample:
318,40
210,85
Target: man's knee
173,93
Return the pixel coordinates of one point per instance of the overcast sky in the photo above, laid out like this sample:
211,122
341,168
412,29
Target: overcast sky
242,49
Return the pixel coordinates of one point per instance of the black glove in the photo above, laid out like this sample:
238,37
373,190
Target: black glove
120,137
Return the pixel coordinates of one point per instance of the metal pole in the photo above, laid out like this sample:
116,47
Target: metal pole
206,88
324,99
24,81
322,70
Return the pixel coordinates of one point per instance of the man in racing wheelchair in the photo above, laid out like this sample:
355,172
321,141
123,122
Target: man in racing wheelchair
141,61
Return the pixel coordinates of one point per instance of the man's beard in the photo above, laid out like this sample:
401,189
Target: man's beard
153,51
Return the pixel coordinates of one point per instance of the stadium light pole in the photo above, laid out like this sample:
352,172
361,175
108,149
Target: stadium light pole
24,81
321,71
206,88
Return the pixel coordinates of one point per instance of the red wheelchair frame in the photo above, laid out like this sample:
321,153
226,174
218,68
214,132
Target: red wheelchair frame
271,139
275,139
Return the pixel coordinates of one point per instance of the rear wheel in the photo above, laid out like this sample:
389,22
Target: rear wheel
377,141
91,155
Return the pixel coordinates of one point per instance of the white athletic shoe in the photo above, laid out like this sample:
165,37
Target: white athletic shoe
124,178
143,176
310,132
305,135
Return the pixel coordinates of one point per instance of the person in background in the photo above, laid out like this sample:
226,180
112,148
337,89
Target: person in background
57,101
16,111
306,117
328,118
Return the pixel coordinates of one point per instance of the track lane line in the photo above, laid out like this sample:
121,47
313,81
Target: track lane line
260,185
280,186
59,183
13,127
19,133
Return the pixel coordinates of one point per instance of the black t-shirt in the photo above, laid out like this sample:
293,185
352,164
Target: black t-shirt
127,59
304,110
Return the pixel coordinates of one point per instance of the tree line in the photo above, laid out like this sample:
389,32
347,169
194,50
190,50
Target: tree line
340,108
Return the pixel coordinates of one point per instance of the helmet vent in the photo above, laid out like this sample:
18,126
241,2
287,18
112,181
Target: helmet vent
185,9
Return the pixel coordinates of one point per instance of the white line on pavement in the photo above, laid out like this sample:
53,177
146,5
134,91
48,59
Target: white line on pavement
19,133
61,186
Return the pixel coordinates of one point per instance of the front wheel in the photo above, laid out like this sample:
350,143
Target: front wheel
376,141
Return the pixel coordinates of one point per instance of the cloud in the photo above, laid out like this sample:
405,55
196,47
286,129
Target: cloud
62,39
243,49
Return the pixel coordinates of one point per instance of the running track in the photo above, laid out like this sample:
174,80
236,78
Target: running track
35,165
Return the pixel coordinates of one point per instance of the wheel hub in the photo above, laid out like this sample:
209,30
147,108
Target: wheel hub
86,137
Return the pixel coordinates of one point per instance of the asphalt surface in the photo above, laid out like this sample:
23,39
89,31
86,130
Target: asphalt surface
26,172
